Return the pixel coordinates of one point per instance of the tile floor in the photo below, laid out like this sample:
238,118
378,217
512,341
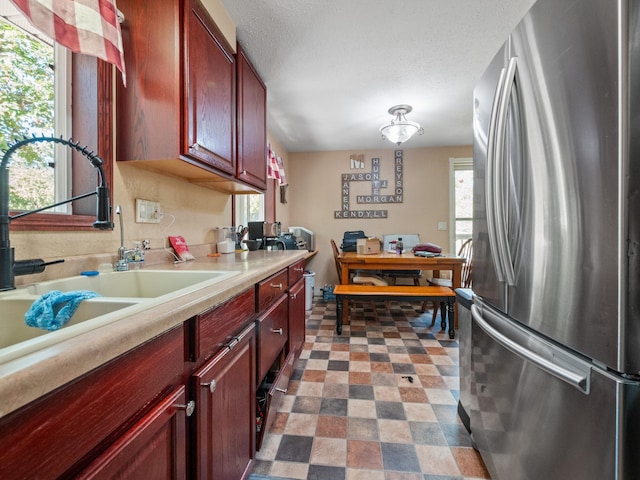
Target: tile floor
378,402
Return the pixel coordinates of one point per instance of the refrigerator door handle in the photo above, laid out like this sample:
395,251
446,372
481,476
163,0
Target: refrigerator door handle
572,371
502,241
490,179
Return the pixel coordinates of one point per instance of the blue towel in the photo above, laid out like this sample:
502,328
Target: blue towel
55,308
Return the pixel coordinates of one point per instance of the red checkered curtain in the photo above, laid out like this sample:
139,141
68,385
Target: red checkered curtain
90,27
275,167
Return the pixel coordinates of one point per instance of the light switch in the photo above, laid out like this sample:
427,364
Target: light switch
147,211
442,225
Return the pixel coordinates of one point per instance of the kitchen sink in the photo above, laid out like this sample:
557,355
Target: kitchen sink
122,296
134,283
14,330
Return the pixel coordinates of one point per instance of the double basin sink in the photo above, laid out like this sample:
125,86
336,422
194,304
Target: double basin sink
120,294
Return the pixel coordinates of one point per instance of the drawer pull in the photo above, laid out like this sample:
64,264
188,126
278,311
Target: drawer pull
189,408
233,343
298,269
276,285
212,385
281,390
276,330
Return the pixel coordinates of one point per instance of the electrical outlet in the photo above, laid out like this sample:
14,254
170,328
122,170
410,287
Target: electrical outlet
442,225
147,211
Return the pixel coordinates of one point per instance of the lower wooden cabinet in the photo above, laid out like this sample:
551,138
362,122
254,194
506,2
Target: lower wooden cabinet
224,421
155,447
61,433
182,405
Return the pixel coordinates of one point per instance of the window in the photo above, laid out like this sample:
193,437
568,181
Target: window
461,173
42,92
249,208
36,96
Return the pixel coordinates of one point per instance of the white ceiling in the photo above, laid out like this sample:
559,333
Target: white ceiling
334,67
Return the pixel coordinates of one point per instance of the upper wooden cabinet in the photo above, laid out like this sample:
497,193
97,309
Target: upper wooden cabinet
177,114
252,123
210,116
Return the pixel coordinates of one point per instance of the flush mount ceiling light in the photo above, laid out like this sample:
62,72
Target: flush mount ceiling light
400,129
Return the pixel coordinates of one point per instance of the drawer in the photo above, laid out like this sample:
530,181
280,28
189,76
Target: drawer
271,288
296,271
273,333
214,328
275,397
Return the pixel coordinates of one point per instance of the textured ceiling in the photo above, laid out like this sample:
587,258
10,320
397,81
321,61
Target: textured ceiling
334,67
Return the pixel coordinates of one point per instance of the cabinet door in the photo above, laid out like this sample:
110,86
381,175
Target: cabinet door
225,411
210,92
252,127
297,305
155,447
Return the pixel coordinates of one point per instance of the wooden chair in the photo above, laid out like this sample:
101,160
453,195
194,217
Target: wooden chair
466,252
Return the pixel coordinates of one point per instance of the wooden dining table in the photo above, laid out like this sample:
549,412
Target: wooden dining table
406,261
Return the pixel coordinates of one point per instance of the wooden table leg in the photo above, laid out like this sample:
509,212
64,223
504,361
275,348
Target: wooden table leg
339,303
344,279
456,282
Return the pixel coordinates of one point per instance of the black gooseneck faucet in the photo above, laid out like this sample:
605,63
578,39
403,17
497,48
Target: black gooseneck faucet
9,268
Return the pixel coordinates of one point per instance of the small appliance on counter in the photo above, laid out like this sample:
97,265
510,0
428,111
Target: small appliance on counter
269,233
264,230
304,238
290,242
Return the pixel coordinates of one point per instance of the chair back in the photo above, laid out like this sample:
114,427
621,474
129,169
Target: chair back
336,259
466,252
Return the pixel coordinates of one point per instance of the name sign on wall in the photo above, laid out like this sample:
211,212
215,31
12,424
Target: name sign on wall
382,191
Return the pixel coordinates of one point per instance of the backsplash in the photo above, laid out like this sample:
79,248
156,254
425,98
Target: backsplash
74,265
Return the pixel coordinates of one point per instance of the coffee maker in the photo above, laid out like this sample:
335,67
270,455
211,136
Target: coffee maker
269,233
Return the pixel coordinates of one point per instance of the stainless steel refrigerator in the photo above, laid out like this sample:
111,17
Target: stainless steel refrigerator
555,361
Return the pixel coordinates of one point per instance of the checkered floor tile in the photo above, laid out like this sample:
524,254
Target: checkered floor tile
378,402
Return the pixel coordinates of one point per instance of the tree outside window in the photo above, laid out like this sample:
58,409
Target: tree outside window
27,99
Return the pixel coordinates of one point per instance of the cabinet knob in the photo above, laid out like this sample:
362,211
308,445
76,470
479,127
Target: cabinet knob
212,385
293,296
244,172
189,408
276,285
195,146
276,330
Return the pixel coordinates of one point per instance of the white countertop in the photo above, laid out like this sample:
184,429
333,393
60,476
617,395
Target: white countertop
27,378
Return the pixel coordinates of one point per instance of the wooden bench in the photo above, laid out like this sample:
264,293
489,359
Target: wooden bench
397,293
